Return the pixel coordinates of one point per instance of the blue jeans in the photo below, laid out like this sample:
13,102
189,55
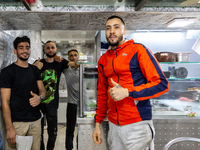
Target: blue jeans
52,128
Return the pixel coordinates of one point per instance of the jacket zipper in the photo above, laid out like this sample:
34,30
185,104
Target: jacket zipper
117,82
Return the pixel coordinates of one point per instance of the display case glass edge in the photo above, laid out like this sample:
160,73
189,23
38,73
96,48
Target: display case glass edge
89,75
86,62
179,62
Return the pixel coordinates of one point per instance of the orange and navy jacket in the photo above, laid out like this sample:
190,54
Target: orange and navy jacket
134,67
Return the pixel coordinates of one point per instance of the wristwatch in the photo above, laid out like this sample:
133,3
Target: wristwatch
41,98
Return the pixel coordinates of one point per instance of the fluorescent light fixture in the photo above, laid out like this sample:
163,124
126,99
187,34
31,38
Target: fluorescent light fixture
181,22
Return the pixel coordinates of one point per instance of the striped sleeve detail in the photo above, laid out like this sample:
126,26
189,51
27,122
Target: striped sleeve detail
149,80
102,96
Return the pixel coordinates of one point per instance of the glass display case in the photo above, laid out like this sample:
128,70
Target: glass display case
170,110
88,96
183,97
184,90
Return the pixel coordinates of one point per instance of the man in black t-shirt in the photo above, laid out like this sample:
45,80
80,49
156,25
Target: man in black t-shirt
50,72
21,92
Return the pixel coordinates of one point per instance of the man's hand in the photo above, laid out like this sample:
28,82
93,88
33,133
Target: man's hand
11,136
35,100
38,64
73,64
117,92
58,58
76,65
97,134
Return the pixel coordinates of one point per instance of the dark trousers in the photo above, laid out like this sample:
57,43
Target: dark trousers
52,128
70,126
1,141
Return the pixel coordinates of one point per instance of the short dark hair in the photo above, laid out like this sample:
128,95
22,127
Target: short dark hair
49,42
72,50
21,39
112,17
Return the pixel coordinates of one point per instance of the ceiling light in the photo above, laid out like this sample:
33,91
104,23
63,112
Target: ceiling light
181,22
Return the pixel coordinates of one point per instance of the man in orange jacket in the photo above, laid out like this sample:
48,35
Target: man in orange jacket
129,76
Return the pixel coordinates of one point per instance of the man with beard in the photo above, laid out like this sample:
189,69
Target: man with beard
21,92
129,76
50,72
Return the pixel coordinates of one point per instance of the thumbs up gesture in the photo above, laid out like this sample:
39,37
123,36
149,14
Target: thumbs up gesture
117,92
38,64
35,100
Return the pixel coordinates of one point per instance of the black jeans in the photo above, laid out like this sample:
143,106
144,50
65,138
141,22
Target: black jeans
70,126
1,141
52,128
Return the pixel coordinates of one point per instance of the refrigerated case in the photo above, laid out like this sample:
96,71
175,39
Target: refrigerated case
170,110
85,121
89,75
184,90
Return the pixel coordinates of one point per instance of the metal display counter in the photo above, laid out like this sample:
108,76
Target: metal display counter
169,117
167,128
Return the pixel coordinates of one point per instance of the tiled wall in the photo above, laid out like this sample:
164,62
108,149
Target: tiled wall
6,48
7,55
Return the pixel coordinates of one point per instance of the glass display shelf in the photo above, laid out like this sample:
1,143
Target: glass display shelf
179,62
88,74
186,79
187,71
95,63
159,62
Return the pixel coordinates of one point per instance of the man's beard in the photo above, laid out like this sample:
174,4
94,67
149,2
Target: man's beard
51,56
116,43
23,59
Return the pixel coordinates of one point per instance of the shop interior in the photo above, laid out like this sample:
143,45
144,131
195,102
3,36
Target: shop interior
80,24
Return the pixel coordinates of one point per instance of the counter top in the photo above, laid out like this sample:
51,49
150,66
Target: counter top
180,105
167,119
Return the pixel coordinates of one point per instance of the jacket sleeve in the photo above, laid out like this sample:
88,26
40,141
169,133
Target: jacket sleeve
102,96
156,82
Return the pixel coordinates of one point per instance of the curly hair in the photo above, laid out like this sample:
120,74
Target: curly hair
21,39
